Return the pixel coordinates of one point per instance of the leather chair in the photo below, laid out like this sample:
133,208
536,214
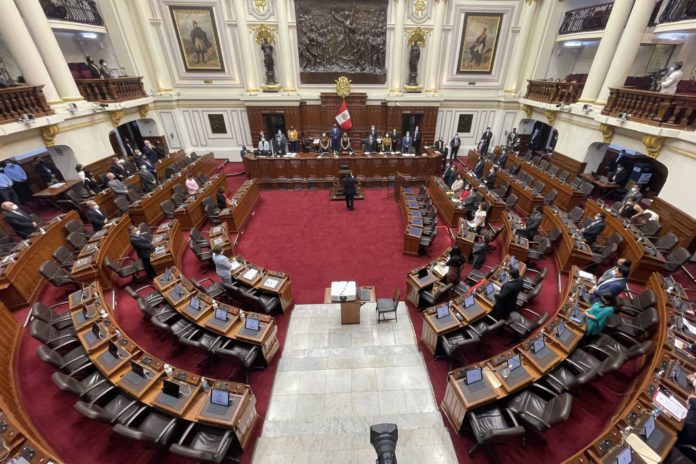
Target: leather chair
428,298
77,240
665,243
155,298
641,326
111,407
633,304
52,337
388,305
242,356
511,201
168,209
539,187
175,325
48,315
75,226
204,256
494,426
129,270
179,189
204,443
529,282
121,203
198,237
213,289
485,325
550,196
162,312
676,259
525,298
149,426
585,365
563,175
457,345
622,343
202,340
89,387
64,257
650,228
576,214
522,326
576,182
562,379
553,170
263,302
540,407
477,275
539,250
179,198
72,362
585,188
544,165
213,214
603,254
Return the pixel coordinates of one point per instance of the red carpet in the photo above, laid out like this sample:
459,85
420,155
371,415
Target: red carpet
315,241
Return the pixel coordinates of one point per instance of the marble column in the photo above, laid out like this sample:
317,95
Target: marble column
20,44
285,51
432,71
248,48
44,39
158,67
397,47
519,52
606,50
627,48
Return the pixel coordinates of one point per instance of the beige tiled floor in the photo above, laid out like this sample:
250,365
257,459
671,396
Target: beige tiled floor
334,381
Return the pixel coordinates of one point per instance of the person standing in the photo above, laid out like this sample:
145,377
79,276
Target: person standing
485,141
143,248
264,146
19,220
292,139
118,187
147,180
478,169
7,193
406,143
223,265
95,216
191,184
349,190
479,251
479,218
280,144
387,143
416,139
394,134
613,281
19,180
335,134
455,143
93,68
674,75
150,152
104,69
506,299
512,139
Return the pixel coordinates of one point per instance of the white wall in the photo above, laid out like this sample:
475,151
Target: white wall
9,62
499,120
76,48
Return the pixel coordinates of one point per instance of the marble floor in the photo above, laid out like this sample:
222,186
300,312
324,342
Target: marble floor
334,381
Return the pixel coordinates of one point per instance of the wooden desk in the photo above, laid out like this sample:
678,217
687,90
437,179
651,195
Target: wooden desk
90,263
275,282
20,281
191,406
570,251
449,209
244,202
513,244
192,213
169,245
496,204
526,198
413,223
465,238
56,190
645,258
220,236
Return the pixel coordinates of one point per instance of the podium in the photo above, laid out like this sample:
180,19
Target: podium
337,187
350,306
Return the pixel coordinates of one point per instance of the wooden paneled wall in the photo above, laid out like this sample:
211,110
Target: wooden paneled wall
571,165
311,120
676,221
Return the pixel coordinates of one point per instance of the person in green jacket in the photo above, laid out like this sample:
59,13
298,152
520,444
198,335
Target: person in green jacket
599,314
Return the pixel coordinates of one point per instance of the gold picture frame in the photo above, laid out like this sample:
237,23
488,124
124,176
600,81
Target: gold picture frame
479,43
198,39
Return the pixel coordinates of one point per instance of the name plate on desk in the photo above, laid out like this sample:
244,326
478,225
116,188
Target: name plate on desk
250,274
270,282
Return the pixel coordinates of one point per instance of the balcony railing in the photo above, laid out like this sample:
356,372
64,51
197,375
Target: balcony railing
111,90
554,92
654,108
678,10
76,11
20,100
591,18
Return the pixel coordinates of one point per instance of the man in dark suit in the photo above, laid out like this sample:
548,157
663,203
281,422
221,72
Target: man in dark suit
117,168
373,132
485,141
506,299
144,248
619,177
503,159
416,139
455,143
19,220
450,174
532,225
439,145
394,135
48,172
95,216
147,180
620,159
149,151
349,190
491,177
479,251
613,281
634,193
335,134
478,169
369,144
512,139
592,230
118,187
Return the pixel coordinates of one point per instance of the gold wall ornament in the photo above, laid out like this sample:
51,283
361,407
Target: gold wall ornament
260,5
143,110
551,116
49,133
419,36
116,117
527,110
343,86
653,145
419,8
607,132
264,32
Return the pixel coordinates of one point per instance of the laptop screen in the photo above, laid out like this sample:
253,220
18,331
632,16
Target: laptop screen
422,272
167,275
195,303
137,368
469,301
539,344
625,457
220,397
649,427
179,291
170,388
560,329
473,376
442,311
113,349
252,324
577,316
514,362
503,277
490,288
512,261
96,330
221,314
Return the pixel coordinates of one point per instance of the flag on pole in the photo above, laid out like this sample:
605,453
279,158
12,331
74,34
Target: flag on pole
343,117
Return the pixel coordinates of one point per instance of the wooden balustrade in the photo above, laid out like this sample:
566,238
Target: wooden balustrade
554,92
658,109
111,90
23,99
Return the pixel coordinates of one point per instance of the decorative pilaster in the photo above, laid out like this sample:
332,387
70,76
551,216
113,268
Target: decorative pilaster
251,77
285,53
160,72
516,59
143,110
607,132
653,145
49,133
396,67
432,71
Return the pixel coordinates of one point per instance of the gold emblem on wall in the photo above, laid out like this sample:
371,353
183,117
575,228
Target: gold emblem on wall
343,86
419,7
607,132
264,32
116,117
143,110
527,110
550,116
49,133
418,36
653,145
260,5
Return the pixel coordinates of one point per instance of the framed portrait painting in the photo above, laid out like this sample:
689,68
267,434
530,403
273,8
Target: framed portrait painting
479,43
198,38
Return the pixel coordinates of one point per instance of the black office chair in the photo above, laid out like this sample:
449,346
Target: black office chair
493,426
111,407
121,203
529,282
576,182
72,362
676,259
522,326
458,345
168,209
428,298
650,228
539,250
665,243
148,425
563,175
92,385
553,170
179,198
576,214
153,297
213,214
511,201
54,338
540,407
205,257
243,357
125,271
75,226
550,196
204,443
56,275
388,305
198,237
48,315
179,189
64,257
641,326
77,240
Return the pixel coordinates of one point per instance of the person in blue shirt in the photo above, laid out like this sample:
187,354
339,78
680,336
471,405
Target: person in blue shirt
599,314
613,280
19,179
7,193
406,143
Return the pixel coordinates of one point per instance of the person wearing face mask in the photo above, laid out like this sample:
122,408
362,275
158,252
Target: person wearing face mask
324,143
346,146
147,180
613,281
458,185
7,193
373,132
466,191
264,147
485,141
592,230
19,180
280,144
96,216
19,220
118,169
143,248
406,143
674,75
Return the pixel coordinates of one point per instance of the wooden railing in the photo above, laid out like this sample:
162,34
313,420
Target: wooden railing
591,18
111,90
554,92
654,108
23,99
678,10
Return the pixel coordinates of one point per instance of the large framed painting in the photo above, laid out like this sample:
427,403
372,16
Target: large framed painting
479,43
198,38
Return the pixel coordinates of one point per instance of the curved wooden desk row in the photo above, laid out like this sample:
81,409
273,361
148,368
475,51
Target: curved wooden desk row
264,280
179,292
460,316
639,249
308,165
15,443
243,203
192,212
512,243
527,199
496,205
169,244
89,310
413,221
656,376
20,281
112,241
448,207
148,210
571,247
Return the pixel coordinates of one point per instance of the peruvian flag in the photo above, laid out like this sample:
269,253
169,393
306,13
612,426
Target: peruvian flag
343,117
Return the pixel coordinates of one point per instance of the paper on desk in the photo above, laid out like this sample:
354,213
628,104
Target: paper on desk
642,449
235,264
270,282
689,326
440,270
492,378
670,405
58,185
250,274
586,275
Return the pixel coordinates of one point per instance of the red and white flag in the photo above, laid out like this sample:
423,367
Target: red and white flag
343,117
